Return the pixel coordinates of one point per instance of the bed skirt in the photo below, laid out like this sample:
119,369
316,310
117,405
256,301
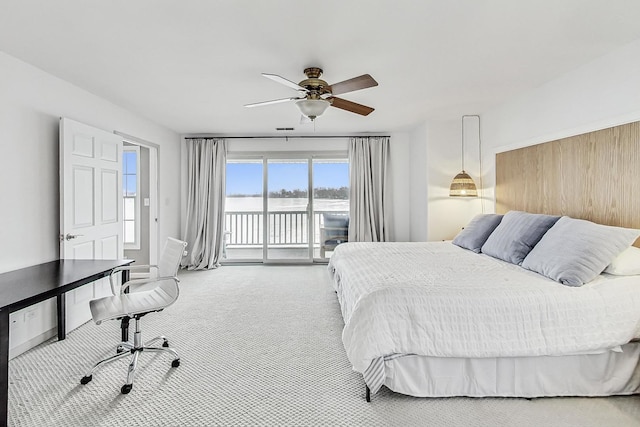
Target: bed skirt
605,374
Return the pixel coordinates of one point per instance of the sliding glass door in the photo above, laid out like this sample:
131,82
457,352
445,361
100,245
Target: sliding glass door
244,206
288,209
285,209
330,205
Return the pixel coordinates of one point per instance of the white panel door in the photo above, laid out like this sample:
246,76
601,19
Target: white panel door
90,206
90,192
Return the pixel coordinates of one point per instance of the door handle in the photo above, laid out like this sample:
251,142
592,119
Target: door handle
70,236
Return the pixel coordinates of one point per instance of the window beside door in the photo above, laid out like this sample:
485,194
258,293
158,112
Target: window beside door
130,194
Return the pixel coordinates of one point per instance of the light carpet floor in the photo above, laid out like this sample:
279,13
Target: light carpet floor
260,346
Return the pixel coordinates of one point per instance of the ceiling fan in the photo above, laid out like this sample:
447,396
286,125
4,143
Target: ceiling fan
316,95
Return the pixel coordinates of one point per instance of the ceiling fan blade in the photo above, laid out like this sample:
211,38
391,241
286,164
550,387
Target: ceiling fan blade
362,82
282,80
353,107
275,101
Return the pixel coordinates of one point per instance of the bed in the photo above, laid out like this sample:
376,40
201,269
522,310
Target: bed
433,319
436,319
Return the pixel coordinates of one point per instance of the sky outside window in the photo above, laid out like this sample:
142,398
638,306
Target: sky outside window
245,178
129,170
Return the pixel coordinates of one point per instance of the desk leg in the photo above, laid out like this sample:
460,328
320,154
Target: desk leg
4,366
61,301
124,329
124,325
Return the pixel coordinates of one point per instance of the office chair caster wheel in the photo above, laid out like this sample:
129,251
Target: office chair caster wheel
86,380
119,349
126,388
165,343
175,363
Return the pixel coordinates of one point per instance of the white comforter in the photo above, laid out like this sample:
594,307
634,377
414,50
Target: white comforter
436,299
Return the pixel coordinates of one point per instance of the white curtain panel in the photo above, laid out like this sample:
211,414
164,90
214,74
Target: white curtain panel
368,193
204,228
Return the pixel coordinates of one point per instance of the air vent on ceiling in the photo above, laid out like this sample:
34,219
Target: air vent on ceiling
284,128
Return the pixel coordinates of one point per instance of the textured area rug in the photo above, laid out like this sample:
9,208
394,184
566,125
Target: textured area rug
259,346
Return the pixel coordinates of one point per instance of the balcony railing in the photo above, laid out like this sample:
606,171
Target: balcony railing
286,228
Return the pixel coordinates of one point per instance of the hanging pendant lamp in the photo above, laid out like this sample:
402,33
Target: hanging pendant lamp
462,184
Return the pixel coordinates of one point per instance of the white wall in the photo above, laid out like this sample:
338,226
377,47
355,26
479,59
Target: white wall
435,160
31,104
400,186
447,215
418,185
598,95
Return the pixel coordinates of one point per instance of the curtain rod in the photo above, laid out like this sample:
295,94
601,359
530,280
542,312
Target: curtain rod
286,137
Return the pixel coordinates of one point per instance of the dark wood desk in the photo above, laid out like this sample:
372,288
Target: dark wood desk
31,285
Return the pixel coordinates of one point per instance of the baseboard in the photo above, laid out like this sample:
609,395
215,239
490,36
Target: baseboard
27,345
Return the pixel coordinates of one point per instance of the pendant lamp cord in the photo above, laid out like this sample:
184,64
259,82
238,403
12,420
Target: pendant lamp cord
479,155
462,145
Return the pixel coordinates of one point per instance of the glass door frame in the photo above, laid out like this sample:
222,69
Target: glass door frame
265,200
285,155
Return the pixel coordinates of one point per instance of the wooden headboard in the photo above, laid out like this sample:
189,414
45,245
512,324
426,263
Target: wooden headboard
593,176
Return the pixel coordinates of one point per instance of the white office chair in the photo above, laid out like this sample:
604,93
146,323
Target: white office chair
149,295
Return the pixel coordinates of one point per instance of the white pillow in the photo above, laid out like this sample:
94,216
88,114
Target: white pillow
625,264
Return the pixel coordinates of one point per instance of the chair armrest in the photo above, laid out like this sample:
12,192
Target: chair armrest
132,267
143,281
344,229
333,233
126,268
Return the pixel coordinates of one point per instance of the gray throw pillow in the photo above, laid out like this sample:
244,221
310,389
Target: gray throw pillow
516,235
574,251
474,235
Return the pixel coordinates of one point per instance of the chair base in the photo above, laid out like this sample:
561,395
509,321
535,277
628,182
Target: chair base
134,350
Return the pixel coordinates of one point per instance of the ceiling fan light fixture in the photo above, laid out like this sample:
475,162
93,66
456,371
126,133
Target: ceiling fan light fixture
313,108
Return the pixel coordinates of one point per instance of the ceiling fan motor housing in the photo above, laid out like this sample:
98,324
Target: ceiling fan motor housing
314,84
313,72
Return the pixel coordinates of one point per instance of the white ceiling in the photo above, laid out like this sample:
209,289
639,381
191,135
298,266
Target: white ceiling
192,65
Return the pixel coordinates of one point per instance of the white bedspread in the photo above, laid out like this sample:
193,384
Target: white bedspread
436,299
